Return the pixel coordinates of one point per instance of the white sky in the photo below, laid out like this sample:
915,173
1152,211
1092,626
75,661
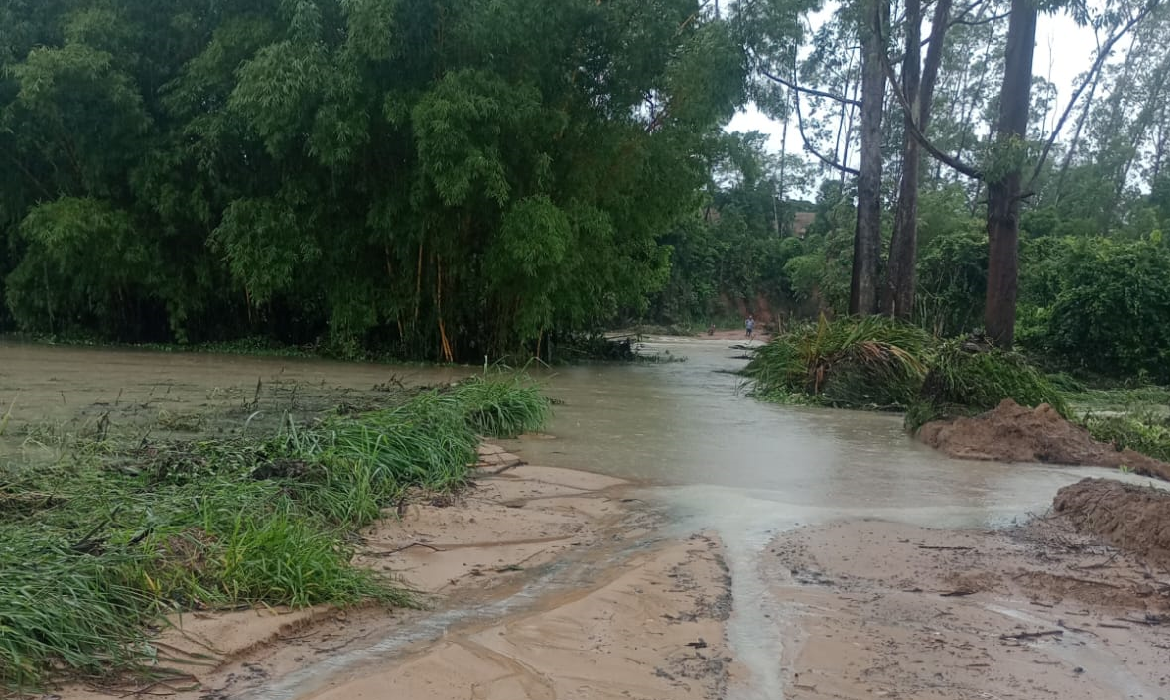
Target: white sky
1063,51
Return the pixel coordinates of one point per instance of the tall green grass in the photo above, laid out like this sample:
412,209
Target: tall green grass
94,548
871,362
969,377
1146,433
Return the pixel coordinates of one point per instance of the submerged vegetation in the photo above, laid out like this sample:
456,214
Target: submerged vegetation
876,362
856,363
100,546
968,376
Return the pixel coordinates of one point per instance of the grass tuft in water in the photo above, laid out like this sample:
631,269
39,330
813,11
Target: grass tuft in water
968,376
871,362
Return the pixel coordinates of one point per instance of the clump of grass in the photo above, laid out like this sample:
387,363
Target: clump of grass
502,409
60,609
871,362
104,543
969,376
1144,432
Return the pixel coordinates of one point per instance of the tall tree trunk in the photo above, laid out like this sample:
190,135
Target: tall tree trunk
867,242
919,91
1003,187
898,296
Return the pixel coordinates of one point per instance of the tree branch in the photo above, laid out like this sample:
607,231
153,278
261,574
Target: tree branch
1103,54
809,91
977,22
809,147
912,123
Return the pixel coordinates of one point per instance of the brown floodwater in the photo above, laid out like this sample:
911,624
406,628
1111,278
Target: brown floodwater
709,457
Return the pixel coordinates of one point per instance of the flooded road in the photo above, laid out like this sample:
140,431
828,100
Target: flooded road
707,458
747,470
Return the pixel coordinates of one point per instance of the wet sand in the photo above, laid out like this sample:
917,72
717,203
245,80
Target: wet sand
655,630
875,609
650,628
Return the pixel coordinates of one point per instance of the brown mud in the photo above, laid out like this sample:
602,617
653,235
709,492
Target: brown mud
1014,433
875,609
56,397
1132,518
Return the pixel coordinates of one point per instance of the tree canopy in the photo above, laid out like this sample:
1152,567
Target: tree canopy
442,179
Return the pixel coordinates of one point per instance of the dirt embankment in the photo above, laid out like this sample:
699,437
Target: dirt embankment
1014,433
1133,518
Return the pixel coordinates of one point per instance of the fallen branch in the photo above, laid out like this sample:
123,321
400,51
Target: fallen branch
403,549
1023,636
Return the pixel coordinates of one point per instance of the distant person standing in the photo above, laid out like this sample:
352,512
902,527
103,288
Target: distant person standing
750,326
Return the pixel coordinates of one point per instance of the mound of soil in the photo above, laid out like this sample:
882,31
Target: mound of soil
1014,433
1133,518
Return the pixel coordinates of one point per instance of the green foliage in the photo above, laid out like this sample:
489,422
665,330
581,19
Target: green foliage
434,180
848,362
733,252
952,268
968,376
1147,433
97,548
1110,315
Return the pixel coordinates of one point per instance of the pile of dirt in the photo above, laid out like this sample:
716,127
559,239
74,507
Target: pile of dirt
1014,433
1133,518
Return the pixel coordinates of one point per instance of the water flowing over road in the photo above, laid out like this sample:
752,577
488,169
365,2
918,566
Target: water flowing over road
705,457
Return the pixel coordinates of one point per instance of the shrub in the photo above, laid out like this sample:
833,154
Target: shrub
848,362
969,376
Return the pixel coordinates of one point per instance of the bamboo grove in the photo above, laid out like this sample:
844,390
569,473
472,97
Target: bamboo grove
452,179
443,179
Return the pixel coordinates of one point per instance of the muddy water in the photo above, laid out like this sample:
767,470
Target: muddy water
723,462
710,458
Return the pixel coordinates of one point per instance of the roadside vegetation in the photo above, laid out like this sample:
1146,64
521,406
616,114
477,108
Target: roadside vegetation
100,546
878,363
873,362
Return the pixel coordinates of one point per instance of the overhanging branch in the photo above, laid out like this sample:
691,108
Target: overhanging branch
810,91
1103,53
912,121
832,163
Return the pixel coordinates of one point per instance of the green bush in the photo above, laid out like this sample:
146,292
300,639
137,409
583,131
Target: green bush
1147,433
968,376
1112,315
848,362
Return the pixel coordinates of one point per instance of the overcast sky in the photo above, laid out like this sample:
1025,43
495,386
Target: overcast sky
1063,51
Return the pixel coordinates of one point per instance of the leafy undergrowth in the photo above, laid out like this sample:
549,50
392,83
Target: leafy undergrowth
1137,418
871,362
1144,432
967,377
97,548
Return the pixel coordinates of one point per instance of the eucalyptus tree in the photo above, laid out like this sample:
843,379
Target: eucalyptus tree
1007,153
842,79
